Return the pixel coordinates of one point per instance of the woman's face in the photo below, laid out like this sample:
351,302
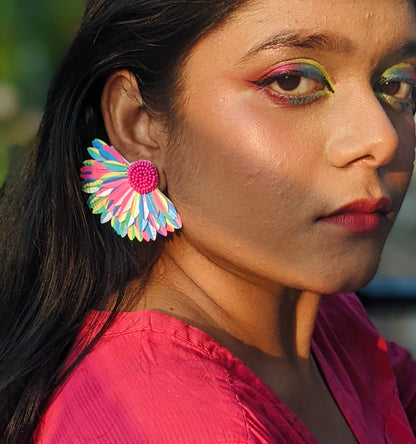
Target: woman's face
297,139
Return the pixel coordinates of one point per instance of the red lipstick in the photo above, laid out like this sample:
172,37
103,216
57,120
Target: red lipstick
360,216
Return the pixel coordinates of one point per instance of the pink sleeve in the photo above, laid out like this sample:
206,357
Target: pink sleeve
404,367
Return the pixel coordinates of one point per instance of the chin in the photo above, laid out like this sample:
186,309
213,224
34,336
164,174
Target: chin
342,281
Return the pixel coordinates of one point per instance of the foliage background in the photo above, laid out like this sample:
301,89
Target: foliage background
33,37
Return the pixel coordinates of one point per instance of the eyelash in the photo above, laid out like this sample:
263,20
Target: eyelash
299,73
405,75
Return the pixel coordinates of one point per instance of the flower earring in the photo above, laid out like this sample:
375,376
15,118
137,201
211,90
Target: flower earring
127,195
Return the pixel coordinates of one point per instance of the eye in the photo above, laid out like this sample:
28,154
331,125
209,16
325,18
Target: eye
295,83
399,90
397,86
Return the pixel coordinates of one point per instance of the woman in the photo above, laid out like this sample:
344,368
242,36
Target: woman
283,134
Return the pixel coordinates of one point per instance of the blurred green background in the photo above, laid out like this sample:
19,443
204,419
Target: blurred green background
33,37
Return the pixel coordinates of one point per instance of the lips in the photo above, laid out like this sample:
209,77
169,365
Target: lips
360,216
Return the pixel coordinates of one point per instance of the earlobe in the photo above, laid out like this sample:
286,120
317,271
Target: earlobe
129,126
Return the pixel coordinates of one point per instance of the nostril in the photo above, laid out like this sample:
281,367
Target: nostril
368,158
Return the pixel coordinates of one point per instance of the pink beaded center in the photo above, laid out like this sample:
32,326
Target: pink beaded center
142,176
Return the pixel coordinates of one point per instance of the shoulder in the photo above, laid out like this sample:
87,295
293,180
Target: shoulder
149,375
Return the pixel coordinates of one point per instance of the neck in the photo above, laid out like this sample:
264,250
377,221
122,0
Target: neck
255,320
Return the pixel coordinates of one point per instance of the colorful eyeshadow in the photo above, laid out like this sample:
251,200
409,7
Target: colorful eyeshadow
290,73
402,73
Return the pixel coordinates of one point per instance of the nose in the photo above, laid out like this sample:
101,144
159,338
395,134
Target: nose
362,132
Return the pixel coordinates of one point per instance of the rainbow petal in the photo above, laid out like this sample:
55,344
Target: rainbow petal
137,216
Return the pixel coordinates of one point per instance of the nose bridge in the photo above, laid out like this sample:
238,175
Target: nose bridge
362,132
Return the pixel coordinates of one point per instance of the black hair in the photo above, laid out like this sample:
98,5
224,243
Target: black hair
57,261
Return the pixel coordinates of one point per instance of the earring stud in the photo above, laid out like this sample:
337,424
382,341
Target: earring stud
127,194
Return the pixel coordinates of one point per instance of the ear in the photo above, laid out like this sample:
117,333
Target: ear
129,126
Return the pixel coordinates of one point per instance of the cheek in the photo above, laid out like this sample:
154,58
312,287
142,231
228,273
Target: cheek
398,174
243,180
242,142
227,163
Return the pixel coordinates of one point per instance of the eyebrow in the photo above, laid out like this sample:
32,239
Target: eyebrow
327,41
302,39
407,49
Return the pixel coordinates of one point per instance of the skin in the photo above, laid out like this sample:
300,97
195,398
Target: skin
251,178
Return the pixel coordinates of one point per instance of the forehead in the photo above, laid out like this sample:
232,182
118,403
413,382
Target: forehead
344,25
364,15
